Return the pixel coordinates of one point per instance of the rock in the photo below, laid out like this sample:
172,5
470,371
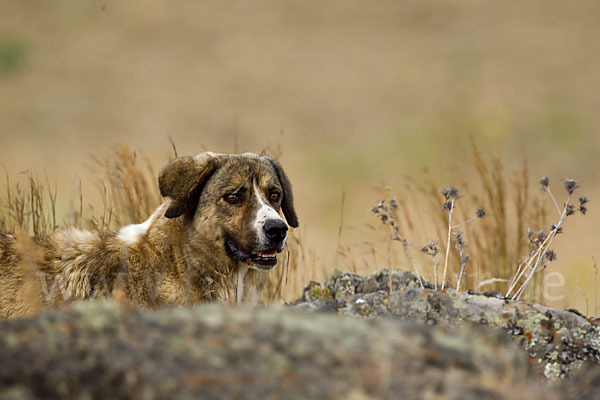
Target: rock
106,350
359,342
557,340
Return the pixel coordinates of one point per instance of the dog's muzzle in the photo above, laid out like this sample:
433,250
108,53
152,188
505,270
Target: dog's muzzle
263,259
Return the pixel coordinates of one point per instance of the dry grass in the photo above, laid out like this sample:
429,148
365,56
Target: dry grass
128,191
480,253
504,248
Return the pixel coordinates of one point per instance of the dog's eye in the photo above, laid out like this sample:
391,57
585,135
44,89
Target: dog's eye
275,197
232,198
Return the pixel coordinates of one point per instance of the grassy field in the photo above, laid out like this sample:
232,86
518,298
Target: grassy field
353,97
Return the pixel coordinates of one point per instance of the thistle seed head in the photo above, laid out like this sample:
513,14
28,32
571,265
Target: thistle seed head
583,200
550,255
558,229
570,185
431,248
541,236
460,241
447,206
451,193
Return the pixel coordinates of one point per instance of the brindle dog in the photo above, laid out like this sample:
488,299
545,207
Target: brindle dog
216,236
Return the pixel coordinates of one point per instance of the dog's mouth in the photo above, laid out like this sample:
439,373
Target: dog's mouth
265,259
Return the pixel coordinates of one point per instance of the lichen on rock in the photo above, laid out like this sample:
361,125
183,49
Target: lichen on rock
106,350
561,341
359,341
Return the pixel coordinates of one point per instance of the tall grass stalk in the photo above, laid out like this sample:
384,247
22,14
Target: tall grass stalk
449,238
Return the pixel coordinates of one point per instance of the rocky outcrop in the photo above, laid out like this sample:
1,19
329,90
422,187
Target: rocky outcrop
106,350
557,341
413,344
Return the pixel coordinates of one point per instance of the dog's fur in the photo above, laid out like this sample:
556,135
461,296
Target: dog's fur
206,242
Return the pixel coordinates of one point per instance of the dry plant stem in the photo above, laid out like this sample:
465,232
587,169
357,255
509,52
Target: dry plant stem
595,286
535,269
434,272
539,254
80,204
52,196
519,292
460,275
340,229
413,264
464,223
490,281
389,249
462,271
553,200
390,286
448,244
518,273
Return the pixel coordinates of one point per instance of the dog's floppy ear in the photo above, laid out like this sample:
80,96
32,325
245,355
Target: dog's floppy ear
182,181
287,203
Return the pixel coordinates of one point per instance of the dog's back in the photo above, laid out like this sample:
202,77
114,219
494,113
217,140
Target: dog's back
74,264
55,270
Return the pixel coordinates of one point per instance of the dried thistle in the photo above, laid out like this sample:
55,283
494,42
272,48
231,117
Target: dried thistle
583,200
556,228
451,193
460,241
386,211
541,241
570,185
432,249
550,255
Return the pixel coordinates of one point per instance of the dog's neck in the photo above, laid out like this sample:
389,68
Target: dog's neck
205,263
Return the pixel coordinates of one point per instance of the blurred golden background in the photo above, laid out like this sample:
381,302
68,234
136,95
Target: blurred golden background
353,95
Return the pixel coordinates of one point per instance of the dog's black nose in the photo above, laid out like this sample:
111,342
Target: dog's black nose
275,229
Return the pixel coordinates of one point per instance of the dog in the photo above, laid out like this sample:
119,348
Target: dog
215,237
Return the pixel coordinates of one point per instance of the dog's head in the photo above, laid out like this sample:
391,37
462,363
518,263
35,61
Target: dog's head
233,200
